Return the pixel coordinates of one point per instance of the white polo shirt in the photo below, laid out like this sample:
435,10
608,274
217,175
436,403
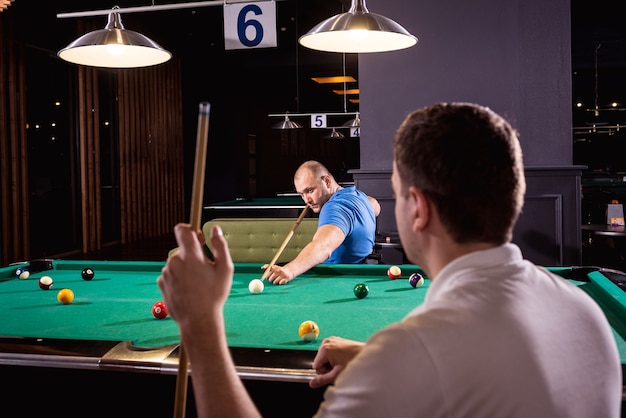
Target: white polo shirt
495,337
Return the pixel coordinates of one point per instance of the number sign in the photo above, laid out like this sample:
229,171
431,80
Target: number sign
250,25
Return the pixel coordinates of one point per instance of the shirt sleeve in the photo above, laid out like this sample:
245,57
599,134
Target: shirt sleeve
377,384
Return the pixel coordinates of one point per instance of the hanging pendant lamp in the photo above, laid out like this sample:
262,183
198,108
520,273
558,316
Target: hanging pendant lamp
114,47
353,123
287,124
335,134
358,31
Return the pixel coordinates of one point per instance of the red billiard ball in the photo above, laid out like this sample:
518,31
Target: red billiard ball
394,272
45,282
159,310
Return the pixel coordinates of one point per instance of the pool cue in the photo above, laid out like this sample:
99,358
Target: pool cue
195,219
284,244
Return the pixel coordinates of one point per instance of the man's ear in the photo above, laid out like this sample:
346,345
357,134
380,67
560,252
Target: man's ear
421,205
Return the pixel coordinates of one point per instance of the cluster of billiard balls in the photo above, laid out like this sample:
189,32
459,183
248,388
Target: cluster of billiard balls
415,279
65,295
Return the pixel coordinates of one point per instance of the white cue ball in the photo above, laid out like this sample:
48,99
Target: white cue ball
256,286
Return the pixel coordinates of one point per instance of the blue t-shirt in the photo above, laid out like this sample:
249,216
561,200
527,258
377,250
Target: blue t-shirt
350,210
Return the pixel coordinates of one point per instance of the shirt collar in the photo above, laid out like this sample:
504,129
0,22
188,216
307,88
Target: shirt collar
476,260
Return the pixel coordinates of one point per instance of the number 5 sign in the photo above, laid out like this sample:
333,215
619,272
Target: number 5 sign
250,25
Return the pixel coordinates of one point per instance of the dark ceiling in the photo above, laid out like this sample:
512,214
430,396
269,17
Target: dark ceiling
596,23
277,80
598,40
196,36
598,33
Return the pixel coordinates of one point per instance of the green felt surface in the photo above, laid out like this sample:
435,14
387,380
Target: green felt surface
116,304
612,300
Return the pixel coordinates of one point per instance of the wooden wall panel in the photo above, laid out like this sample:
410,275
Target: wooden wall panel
151,151
147,108
89,158
14,191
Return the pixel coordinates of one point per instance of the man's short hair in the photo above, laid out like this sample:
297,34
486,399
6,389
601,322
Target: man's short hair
468,160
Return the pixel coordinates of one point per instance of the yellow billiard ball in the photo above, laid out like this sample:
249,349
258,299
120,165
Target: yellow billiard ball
309,330
65,296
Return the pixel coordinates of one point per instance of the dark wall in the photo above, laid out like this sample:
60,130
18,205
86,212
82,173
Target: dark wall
514,57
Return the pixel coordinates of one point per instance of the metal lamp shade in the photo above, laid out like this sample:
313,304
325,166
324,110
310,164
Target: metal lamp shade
287,124
358,31
114,47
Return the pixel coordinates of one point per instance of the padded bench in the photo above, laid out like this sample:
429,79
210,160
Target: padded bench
256,240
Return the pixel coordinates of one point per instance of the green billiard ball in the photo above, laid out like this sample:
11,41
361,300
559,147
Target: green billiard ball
361,290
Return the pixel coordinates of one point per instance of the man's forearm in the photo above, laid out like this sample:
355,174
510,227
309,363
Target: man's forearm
218,389
309,257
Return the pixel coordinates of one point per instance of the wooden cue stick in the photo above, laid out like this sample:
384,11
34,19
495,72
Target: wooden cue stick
195,219
284,244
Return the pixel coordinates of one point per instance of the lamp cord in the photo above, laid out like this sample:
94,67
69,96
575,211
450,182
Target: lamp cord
345,91
596,109
297,65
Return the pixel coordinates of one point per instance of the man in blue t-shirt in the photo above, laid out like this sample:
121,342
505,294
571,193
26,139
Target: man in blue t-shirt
346,227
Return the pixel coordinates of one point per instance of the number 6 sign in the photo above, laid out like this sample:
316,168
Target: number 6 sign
250,25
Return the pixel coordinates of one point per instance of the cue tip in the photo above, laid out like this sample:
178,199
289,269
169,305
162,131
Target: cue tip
205,107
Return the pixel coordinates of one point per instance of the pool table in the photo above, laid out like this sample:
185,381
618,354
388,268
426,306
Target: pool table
257,207
107,340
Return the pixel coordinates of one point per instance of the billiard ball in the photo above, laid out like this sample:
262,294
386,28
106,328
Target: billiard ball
361,290
46,282
394,272
22,273
416,280
87,274
308,330
159,310
256,286
65,296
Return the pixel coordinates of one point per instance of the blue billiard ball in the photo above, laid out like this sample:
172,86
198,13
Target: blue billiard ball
22,273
